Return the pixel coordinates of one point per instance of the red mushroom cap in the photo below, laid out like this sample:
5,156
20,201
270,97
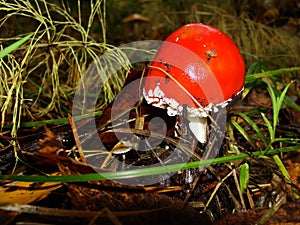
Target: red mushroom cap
205,68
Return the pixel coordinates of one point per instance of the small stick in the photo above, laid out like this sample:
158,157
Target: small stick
77,141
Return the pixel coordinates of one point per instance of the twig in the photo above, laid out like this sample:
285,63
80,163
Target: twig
78,143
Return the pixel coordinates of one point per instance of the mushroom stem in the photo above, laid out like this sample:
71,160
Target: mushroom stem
198,127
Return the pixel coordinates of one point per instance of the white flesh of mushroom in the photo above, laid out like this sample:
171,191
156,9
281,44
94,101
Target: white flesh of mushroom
198,127
197,116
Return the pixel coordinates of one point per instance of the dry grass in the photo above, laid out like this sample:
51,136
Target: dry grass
41,76
256,39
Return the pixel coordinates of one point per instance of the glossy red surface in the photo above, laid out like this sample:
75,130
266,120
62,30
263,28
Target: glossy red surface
200,61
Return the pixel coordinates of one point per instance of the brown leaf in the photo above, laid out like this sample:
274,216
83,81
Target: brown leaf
49,144
23,193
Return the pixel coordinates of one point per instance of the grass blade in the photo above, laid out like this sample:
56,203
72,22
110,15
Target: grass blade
14,46
253,77
243,132
244,177
53,121
281,167
269,125
142,171
255,127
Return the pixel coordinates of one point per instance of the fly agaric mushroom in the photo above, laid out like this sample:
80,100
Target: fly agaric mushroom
199,67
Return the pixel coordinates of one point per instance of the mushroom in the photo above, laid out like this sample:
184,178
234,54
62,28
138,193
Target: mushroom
199,67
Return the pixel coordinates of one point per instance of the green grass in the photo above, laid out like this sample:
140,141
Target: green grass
278,99
134,173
